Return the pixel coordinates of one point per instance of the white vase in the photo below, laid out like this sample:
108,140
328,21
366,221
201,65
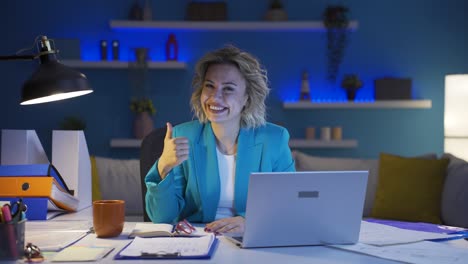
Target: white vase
142,125
147,11
276,14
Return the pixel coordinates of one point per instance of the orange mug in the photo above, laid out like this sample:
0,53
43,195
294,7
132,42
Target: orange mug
108,217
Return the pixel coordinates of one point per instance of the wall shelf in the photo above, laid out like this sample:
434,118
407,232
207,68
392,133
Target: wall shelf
223,25
293,143
307,143
125,143
123,64
421,104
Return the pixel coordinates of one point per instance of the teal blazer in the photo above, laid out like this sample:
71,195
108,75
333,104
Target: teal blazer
191,190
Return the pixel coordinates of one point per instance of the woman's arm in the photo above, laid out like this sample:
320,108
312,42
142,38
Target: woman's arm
164,197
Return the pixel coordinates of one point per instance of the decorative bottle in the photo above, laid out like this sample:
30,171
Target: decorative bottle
305,89
172,48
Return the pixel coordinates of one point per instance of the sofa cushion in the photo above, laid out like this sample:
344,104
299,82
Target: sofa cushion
409,189
306,162
119,179
455,193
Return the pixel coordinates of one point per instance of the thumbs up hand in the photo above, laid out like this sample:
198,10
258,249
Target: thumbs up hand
176,151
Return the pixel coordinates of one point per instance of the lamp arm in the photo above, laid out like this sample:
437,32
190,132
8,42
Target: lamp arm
17,57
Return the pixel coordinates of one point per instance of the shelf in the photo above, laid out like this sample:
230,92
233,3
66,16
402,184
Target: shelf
293,143
223,25
125,143
123,64
306,143
422,104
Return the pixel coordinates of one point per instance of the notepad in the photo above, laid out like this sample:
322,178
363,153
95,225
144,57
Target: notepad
82,253
161,230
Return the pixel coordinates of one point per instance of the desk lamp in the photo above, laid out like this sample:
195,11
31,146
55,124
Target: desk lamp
52,81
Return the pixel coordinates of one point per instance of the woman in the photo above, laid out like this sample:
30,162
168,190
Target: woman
202,174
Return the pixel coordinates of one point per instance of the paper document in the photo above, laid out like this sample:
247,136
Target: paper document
383,235
424,252
179,246
55,235
82,253
53,240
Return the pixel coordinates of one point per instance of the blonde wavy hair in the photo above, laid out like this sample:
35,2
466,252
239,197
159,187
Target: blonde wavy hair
254,113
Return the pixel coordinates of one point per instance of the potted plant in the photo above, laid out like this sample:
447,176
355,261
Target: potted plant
276,12
351,83
72,123
336,23
143,122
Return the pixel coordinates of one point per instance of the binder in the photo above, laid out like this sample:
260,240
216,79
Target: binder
33,170
40,185
36,207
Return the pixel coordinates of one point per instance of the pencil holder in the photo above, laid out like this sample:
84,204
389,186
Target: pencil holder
12,240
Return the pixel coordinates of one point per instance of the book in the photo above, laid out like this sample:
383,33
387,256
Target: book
163,230
169,247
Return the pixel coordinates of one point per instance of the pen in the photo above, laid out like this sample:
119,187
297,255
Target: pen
11,231
6,213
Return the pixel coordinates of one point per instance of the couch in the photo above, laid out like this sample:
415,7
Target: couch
453,196
120,179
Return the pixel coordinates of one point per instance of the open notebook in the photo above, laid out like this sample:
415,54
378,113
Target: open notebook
163,230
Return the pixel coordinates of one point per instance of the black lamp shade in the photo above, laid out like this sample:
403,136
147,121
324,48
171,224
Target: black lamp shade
53,81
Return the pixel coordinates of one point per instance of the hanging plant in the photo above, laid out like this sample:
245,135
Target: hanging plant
336,22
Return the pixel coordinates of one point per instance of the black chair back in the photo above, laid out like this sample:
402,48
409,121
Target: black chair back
151,149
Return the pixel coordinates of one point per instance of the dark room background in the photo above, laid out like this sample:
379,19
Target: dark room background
419,39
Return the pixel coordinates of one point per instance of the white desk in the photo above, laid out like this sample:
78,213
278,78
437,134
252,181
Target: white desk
227,252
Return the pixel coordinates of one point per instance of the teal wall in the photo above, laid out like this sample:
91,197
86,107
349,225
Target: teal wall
420,39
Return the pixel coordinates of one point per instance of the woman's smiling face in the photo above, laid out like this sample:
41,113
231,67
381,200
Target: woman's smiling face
223,96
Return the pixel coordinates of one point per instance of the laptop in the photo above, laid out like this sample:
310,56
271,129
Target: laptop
303,208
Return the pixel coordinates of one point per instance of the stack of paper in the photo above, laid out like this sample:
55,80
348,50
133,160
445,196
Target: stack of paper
383,235
405,245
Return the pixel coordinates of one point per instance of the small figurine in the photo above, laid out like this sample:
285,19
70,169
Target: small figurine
305,89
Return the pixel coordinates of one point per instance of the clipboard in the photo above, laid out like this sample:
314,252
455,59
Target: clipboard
210,253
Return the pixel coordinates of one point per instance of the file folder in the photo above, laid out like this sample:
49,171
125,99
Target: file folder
33,170
36,207
40,185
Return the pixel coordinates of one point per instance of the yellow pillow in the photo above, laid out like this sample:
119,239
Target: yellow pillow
96,190
409,189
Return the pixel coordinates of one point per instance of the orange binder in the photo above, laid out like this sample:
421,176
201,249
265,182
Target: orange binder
30,186
36,181
25,186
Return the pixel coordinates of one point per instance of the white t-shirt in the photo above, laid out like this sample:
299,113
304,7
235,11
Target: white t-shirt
227,169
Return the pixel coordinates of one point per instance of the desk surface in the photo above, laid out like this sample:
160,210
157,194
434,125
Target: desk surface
227,252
